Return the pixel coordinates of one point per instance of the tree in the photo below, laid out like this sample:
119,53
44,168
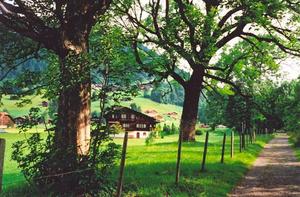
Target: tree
62,27
188,36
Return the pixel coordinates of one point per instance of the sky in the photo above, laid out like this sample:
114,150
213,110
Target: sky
290,68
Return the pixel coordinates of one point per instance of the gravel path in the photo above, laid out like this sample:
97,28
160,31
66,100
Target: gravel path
276,172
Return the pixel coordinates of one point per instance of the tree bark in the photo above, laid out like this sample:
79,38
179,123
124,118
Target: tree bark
189,115
73,125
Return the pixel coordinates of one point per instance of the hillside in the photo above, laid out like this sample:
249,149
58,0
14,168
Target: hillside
144,103
149,105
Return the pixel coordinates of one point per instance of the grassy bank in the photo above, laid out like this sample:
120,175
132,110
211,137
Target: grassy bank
292,140
150,169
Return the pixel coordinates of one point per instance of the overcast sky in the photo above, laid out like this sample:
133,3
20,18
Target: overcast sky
290,68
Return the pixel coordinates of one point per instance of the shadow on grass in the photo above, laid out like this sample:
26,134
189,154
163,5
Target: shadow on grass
157,179
150,171
18,188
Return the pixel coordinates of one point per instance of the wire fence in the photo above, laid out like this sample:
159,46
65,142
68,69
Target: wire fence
16,182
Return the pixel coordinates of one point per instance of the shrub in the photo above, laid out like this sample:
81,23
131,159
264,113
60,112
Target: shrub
150,139
174,129
295,137
166,129
14,97
135,107
58,171
199,132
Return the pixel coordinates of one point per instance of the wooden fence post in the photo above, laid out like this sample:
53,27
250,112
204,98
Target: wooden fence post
2,151
178,157
122,165
223,148
241,146
232,144
243,141
204,152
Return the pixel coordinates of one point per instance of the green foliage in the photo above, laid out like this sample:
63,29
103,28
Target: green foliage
174,129
171,93
150,139
48,168
199,131
135,107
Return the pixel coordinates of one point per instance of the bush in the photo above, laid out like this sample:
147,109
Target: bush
166,129
14,97
150,139
135,107
58,171
199,132
174,129
295,137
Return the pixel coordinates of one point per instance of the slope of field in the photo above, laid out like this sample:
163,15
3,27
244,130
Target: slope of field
144,103
14,110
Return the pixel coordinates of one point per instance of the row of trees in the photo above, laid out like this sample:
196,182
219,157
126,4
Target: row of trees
269,106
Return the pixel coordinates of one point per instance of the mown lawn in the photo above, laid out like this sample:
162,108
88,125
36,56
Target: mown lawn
150,169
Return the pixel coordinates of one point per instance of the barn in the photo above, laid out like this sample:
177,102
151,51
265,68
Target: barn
6,120
137,124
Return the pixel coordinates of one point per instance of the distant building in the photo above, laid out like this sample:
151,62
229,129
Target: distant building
19,120
137,124
6,120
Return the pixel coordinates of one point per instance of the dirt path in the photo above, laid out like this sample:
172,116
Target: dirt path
276,172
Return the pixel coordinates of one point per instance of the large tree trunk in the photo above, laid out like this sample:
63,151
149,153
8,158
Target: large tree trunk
73,125
73,128
190,107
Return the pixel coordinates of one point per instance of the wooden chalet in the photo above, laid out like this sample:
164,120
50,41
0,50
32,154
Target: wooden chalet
6,120
137,124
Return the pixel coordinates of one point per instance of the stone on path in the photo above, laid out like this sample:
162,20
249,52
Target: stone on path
276,172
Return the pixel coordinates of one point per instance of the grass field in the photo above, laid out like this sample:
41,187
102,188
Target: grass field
16,111
150,169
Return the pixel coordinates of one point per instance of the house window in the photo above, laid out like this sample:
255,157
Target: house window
132,116
141,126
126,125
113,116
123,116
144,134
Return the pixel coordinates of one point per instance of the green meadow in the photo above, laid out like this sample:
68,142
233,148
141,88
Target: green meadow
150,170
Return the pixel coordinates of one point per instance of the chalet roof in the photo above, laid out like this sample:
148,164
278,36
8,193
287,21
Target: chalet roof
122,108
5,114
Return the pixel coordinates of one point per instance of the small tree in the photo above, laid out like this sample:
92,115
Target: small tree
174,128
